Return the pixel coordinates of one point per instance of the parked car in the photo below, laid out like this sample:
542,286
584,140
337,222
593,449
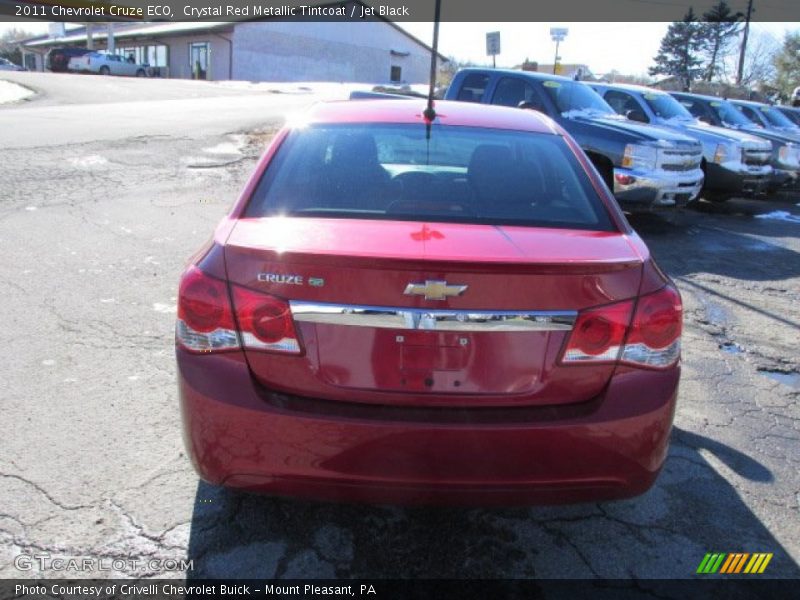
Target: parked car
646,167
7,65
792,113
734,163
326,339
768,117
785,150
103,63
57,59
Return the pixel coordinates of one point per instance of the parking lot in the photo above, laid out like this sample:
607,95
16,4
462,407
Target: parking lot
108,186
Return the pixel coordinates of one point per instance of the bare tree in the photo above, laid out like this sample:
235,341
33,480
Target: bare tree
9,48
759,67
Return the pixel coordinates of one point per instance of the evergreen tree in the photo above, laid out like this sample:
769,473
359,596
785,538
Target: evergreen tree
720,25
678,54
787,65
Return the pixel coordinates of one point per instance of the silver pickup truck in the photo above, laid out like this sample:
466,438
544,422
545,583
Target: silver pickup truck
104,63
734,163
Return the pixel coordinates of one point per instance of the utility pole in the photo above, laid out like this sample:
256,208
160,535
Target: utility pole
743,49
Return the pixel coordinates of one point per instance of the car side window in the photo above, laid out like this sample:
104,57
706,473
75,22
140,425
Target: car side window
695,108
513,91
749,113
473,87
621,102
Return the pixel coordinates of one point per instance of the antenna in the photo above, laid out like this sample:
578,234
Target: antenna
430,112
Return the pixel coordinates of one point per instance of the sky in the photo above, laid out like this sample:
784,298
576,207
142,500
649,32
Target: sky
627,47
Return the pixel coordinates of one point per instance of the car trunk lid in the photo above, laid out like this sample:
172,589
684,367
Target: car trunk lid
403,312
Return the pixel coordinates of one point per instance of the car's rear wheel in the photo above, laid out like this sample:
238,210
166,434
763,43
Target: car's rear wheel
104,70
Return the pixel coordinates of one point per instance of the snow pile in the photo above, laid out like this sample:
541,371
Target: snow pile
11,92
780,215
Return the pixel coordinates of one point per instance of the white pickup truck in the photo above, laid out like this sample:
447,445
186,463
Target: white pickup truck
104,63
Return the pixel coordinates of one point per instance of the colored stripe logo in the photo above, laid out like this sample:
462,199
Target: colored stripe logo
734,563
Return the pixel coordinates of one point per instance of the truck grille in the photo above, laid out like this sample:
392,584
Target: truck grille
756,156
680,159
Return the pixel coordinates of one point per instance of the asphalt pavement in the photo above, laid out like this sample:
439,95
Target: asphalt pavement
106,191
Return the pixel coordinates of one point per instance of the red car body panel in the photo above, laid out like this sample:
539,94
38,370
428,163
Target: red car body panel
388,415
611,447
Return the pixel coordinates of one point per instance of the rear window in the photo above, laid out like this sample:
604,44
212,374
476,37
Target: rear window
461,174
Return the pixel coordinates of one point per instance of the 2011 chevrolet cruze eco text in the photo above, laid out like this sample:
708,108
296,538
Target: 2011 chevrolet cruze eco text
412,310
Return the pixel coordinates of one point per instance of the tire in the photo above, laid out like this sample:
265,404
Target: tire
104,70
141,73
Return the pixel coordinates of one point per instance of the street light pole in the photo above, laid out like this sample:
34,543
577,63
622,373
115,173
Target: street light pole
555,59
557,34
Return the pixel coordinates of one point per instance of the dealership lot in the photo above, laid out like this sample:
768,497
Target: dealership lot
106,191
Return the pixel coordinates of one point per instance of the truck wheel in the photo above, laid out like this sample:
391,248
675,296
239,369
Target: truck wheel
104,70
140,73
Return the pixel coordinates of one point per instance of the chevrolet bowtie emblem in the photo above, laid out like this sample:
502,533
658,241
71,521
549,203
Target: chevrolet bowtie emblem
434,290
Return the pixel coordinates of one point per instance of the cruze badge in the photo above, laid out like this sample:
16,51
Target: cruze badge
434,290
280,278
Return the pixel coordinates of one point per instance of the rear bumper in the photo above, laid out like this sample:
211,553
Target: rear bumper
242,436
656,189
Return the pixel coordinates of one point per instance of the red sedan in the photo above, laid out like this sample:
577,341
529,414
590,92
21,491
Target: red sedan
406,311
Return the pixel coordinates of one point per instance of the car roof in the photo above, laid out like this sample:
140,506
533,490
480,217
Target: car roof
749,102
529,74
699,96
631,87
467,114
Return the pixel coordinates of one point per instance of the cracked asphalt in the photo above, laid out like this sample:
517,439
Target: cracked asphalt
99,210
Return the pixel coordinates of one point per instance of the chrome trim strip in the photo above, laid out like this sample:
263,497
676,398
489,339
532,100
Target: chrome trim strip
431,319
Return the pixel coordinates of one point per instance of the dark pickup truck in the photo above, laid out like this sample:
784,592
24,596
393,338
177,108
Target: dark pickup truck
646,166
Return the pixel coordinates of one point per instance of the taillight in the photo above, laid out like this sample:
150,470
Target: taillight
598,334
205,319
655,336
265,322
650,336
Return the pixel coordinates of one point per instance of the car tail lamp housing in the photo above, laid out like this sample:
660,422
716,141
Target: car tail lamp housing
643,333
265,322
207,321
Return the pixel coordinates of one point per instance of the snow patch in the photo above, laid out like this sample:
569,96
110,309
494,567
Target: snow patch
11,92
87,162
234,146
164,308
780,215
31,208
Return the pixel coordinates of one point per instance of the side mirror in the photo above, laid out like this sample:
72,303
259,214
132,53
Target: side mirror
637,115
705,119
530,106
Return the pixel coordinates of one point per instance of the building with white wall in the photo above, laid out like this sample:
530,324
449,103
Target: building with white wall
369,51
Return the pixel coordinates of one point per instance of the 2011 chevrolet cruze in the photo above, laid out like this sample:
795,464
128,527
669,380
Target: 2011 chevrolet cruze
413,310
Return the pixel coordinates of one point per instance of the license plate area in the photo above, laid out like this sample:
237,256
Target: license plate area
430,361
